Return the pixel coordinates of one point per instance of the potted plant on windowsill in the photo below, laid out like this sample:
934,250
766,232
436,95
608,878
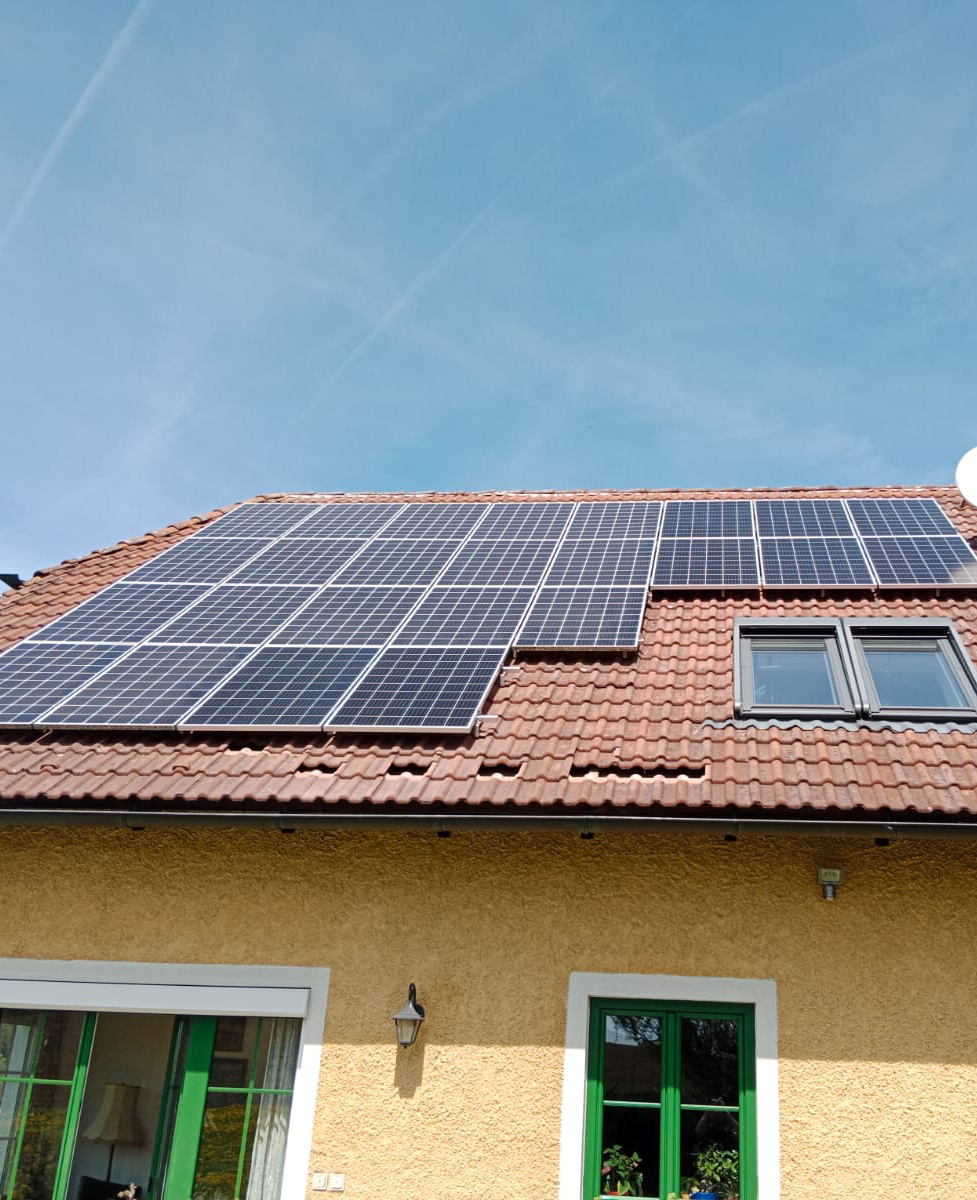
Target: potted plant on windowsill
717,1175
620,1174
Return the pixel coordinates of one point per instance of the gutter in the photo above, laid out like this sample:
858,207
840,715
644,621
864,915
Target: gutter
446,825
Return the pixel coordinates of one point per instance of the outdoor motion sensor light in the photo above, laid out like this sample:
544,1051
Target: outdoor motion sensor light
408,1020
830,879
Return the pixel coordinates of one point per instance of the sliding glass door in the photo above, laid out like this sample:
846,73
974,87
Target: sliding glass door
226,1137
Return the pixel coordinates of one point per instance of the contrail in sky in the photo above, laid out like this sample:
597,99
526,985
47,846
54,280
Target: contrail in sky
84,102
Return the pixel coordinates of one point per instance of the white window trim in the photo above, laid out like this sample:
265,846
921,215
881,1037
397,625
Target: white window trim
193,989
587,985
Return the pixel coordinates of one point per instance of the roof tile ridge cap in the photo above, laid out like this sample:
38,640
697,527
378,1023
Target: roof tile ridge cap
166,531
577,494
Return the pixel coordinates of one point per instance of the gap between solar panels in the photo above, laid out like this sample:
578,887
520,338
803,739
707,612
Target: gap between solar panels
399,616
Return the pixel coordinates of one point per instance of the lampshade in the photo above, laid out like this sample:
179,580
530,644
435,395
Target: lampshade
116,1120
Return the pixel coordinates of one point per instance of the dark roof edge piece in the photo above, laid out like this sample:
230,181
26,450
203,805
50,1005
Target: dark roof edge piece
292,822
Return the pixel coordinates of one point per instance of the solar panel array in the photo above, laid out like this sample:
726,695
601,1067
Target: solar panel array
383,616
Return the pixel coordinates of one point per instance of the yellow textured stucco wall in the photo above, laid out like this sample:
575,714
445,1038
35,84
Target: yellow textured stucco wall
876,992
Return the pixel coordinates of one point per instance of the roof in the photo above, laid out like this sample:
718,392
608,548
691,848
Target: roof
653,735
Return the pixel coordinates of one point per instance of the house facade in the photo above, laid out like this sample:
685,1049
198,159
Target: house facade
674,926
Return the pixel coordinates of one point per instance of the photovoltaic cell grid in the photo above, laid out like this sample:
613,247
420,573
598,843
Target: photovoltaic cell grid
530,520
349,616
420,688
706,562
291,686
922,561
124,612
624,562
493,561
299,560
708,518
235,614
345,520
152,686
35,675
609,520
258,520
821,562
803,518
570,618
912,517
466,617
207,560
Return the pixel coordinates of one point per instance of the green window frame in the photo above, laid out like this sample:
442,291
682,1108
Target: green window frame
29,1081
670,1106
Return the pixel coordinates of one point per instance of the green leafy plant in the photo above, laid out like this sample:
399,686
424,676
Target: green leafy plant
716,1170
620,1174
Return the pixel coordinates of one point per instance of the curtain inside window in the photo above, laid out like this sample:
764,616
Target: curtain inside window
271,1131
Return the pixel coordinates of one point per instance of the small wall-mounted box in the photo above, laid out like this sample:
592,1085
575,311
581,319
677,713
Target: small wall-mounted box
320,1181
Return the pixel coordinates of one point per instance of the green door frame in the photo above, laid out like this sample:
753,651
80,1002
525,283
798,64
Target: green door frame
188,1126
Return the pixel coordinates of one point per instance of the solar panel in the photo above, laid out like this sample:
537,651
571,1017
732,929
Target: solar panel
610,520
36,675
346,520
349,616
154,685
494,561
299,560
625,561
466,617
922,561
598,617
258,520
803,518
292,687
238,614
398,560
708,518
422,520
411,687
912,516
199,560
706,562
529,520
821,562
124,612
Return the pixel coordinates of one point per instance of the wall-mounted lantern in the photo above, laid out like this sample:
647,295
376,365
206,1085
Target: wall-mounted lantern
408,1020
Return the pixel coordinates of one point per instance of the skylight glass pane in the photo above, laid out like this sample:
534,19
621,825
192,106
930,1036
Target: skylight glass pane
913,675
794,676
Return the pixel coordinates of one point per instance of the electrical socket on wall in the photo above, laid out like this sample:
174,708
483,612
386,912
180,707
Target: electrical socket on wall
320,1181
337,1183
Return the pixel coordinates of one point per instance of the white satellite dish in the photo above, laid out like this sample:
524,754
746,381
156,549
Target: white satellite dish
967,476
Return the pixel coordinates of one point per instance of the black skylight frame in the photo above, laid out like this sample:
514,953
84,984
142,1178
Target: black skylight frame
862,631
844,639
788,633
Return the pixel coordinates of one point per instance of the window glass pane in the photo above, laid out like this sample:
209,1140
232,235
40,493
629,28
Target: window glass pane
913,675
630,1133
632,1058
220,1147
12,1097
709,1159
710,1062
38,1162
18,1033
792,675
59,1045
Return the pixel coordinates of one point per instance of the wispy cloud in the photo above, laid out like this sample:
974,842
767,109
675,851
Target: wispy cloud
103,73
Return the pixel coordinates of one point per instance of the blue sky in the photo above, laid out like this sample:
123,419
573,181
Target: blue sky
248,247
